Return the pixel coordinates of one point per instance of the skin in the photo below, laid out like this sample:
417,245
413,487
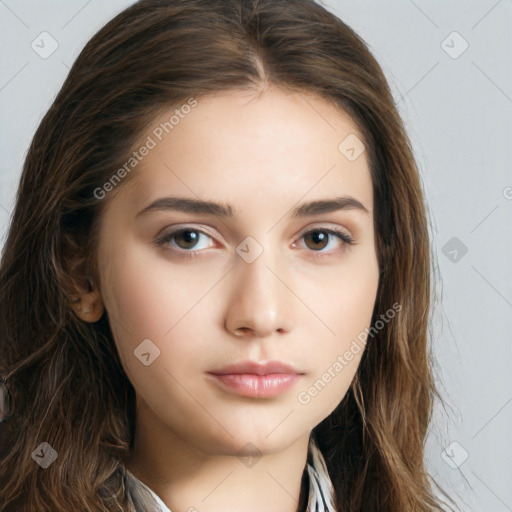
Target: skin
265,154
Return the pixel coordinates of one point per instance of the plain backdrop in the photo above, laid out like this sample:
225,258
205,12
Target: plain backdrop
449,64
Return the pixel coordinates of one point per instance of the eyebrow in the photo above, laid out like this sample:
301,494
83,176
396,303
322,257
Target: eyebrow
189,205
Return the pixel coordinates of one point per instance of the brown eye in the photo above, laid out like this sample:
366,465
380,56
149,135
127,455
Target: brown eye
186,240
318,239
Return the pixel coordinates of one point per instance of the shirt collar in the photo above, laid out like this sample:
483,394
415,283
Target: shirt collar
320,499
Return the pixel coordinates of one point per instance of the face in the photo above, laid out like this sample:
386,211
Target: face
262,277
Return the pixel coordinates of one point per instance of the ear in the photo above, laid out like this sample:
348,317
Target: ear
86,298
82,288
88,305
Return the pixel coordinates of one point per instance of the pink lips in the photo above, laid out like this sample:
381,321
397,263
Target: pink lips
257,380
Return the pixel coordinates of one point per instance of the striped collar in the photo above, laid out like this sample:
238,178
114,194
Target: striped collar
320,499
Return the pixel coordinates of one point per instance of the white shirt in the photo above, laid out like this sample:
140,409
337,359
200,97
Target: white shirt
320,499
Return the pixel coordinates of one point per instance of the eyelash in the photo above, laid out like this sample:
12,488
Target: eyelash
163,240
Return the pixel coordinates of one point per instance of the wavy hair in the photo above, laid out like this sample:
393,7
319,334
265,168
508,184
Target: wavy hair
64,375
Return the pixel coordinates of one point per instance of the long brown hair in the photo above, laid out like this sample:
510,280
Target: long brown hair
64,375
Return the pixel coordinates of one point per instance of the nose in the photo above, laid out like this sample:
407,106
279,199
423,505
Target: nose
260,304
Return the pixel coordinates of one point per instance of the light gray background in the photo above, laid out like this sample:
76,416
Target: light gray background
458,112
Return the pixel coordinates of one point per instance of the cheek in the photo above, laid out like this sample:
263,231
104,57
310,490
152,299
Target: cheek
351,297
348,309
146,299
147,296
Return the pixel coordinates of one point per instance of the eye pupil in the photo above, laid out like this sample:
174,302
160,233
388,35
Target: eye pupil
318,237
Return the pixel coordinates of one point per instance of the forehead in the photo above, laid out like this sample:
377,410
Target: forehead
241,145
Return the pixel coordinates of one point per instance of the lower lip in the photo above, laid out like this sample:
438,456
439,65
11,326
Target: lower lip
257,386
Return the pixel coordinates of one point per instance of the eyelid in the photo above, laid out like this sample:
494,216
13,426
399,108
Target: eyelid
208,231
176,228
323,226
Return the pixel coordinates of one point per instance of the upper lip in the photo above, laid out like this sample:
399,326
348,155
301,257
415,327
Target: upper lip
256,368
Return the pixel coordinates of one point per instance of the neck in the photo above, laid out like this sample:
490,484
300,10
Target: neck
189,478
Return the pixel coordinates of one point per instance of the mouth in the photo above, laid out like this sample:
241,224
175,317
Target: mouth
256,380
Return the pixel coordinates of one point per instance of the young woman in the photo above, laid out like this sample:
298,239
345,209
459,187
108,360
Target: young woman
215,289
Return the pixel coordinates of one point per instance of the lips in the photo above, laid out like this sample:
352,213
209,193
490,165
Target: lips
256,380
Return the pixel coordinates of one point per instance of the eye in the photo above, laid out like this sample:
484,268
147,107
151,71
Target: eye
319,238
183,239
